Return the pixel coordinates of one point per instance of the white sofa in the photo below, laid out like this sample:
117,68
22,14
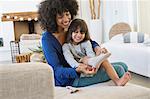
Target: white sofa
36,81
135,55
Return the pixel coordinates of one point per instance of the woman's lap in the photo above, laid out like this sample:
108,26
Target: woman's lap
101,76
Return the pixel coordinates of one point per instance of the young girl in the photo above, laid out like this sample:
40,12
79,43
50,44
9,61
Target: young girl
78,48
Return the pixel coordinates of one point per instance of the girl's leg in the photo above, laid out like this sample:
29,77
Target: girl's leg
114,76
99,77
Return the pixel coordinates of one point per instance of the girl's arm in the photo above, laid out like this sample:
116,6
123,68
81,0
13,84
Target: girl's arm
80,67
69,56
87,47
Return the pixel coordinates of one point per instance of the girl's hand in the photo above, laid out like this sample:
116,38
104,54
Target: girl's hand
84,60
82,68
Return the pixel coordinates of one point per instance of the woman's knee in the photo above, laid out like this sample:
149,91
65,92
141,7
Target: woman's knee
120,70
122,64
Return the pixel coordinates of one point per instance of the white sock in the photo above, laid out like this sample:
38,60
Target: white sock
98,59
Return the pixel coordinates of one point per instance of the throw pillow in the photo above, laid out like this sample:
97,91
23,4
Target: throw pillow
134,37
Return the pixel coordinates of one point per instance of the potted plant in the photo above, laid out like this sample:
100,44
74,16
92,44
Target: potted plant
37,55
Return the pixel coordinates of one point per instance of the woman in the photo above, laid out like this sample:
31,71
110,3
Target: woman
55,17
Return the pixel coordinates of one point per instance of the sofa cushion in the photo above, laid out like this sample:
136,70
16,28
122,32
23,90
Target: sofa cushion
104,91
134,37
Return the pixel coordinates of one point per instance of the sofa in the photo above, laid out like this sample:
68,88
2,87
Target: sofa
35,80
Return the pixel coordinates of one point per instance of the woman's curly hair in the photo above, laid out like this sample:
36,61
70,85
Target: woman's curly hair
48,10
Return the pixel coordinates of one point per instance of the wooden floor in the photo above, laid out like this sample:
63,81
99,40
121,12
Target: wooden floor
140,80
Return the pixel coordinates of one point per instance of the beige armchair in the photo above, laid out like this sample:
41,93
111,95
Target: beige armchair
26,81
36,81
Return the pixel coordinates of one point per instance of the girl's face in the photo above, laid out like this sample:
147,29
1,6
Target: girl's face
63,21
78,36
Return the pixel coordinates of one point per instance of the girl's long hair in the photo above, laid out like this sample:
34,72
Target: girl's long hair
77,24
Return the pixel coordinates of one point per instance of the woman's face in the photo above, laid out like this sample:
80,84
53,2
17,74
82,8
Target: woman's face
78,36
63,21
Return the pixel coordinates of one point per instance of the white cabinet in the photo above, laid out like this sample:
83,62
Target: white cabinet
7,33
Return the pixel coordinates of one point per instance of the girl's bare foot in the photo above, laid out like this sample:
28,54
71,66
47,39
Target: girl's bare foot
124,79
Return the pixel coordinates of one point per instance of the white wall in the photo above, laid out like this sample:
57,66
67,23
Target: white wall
118,11
95,31
144,16
112,11
6,28
18,5
7,33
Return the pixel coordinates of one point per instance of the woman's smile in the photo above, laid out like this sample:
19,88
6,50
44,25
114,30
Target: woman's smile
63,20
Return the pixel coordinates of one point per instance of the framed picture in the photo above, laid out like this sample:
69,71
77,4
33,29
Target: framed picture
1,42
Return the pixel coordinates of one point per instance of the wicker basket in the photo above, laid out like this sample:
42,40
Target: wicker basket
25,57
119,28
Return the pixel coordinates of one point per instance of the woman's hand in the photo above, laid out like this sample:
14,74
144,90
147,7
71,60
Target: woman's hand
98,50
104,50
82,68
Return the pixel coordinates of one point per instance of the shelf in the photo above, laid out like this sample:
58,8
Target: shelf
20,16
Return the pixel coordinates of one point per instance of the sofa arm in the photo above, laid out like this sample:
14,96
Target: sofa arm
26,81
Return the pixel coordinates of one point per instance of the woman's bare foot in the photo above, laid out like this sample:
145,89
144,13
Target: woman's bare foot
124,79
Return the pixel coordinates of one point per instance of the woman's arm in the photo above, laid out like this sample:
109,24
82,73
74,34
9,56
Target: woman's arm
54,58
97,49
94,44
